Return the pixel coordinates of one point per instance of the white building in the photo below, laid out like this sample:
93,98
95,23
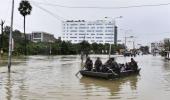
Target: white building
157,47
99,31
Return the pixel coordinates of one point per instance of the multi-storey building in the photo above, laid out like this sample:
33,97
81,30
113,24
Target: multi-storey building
167,40
157,47
41,37
99,31
167,44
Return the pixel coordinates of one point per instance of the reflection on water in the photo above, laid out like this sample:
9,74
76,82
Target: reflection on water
8,88
113,87
53,78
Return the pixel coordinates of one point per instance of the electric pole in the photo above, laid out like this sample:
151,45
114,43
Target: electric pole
10,39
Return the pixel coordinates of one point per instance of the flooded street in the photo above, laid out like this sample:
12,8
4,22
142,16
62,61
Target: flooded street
53,78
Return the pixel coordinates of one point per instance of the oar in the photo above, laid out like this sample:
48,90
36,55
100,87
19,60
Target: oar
80,70
112,71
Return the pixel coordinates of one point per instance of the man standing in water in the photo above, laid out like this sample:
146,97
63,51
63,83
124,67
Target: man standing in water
82,56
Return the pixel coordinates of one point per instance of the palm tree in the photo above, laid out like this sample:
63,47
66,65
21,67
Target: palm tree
25,9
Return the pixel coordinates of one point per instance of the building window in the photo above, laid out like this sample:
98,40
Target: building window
99,31
82,24
73,37
81,34
73,31
98,37
92,27
81,31
100,34
109,34
109,27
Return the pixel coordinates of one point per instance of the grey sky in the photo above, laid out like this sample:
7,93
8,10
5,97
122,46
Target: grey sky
147,23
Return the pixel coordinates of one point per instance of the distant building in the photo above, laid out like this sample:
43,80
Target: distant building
157,47
29,36
167,40
99,31
167,44
40,37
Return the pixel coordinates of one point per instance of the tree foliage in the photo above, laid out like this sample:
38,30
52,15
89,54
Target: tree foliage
57,48
25,8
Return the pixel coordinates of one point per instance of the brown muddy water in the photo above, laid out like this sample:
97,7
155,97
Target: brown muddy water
53,78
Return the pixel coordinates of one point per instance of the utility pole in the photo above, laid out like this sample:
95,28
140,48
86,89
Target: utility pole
10,39
115,33
2,26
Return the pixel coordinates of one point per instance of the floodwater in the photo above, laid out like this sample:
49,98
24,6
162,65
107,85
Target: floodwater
53,78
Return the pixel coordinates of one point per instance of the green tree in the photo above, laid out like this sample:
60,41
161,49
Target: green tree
106,48
85,47
100,48
94,48
25,9
6,38
18,42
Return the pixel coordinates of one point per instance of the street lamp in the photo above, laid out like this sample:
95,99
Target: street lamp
115,32
126,31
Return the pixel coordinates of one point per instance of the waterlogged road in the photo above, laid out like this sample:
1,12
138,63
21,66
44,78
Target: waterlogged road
53,78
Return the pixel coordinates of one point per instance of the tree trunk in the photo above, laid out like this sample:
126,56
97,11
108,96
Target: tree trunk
25,49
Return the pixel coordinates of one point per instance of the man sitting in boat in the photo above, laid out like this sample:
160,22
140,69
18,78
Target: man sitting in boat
111,66
133,64
88,64
98,64
114,66
127,66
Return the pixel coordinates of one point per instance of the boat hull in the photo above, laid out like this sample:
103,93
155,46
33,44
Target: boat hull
108,75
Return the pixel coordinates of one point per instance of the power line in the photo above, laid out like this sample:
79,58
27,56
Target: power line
98,7
45,10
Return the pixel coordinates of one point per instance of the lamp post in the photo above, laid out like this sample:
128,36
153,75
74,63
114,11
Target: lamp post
115,32
50,42
126,32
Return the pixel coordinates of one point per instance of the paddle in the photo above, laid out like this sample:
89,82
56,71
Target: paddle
80,70
112,71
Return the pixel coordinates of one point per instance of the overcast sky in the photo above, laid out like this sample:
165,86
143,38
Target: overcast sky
148,24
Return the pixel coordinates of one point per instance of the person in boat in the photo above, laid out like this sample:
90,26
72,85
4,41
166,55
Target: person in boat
122,67
98,64
133,64
127,66
89,64
108,62
105,67
111,64
115,66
